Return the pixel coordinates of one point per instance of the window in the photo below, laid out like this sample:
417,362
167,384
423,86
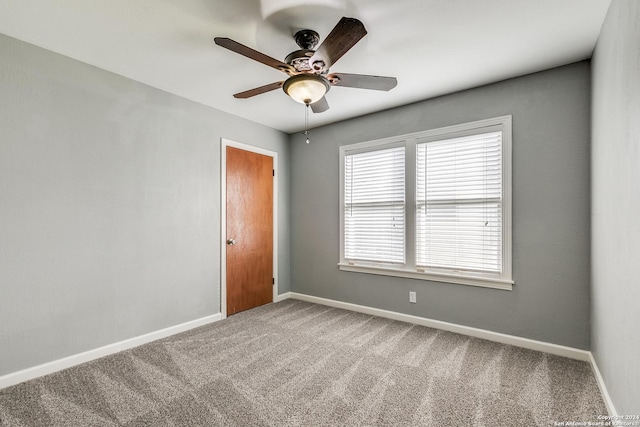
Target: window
374,205
459,203
434,205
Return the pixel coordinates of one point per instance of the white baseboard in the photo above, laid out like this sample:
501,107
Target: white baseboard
282,297
559,350
602,386
87,356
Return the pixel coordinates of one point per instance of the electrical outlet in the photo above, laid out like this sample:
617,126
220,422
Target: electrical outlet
412,297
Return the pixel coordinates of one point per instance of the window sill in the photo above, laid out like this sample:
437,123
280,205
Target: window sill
485,282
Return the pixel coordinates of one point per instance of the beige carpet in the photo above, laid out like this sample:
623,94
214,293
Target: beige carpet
299,364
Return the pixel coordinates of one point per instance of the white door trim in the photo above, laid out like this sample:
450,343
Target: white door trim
223,216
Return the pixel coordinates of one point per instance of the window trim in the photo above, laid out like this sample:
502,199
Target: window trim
503,281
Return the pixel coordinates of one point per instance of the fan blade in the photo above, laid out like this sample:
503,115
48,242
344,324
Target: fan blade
259,90
362,81
320,106
243,50
343,37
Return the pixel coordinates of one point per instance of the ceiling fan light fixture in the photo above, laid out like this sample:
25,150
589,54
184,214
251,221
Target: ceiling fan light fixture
306,88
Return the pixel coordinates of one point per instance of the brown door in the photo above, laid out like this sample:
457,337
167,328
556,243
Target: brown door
249,230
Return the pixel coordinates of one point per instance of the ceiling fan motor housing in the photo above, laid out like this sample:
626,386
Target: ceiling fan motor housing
300,59
307,40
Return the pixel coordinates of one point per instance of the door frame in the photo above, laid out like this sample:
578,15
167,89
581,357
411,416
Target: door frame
223,216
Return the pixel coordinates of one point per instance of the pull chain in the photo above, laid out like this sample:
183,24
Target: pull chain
306,122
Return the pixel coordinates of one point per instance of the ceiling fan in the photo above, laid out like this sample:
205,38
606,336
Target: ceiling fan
308,69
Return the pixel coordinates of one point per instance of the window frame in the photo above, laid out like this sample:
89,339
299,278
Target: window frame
503,280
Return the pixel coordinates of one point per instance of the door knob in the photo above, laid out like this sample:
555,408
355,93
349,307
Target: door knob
231,242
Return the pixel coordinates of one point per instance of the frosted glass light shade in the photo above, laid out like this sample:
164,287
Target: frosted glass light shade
306,88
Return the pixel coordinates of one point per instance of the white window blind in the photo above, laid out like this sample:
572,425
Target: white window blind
459,208
374,206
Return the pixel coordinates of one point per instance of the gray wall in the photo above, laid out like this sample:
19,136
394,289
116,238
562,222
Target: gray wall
616,205
109,206
551,221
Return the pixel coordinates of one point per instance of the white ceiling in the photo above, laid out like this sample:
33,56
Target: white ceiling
433,47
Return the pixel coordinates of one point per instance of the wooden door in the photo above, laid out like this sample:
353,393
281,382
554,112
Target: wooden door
249,230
